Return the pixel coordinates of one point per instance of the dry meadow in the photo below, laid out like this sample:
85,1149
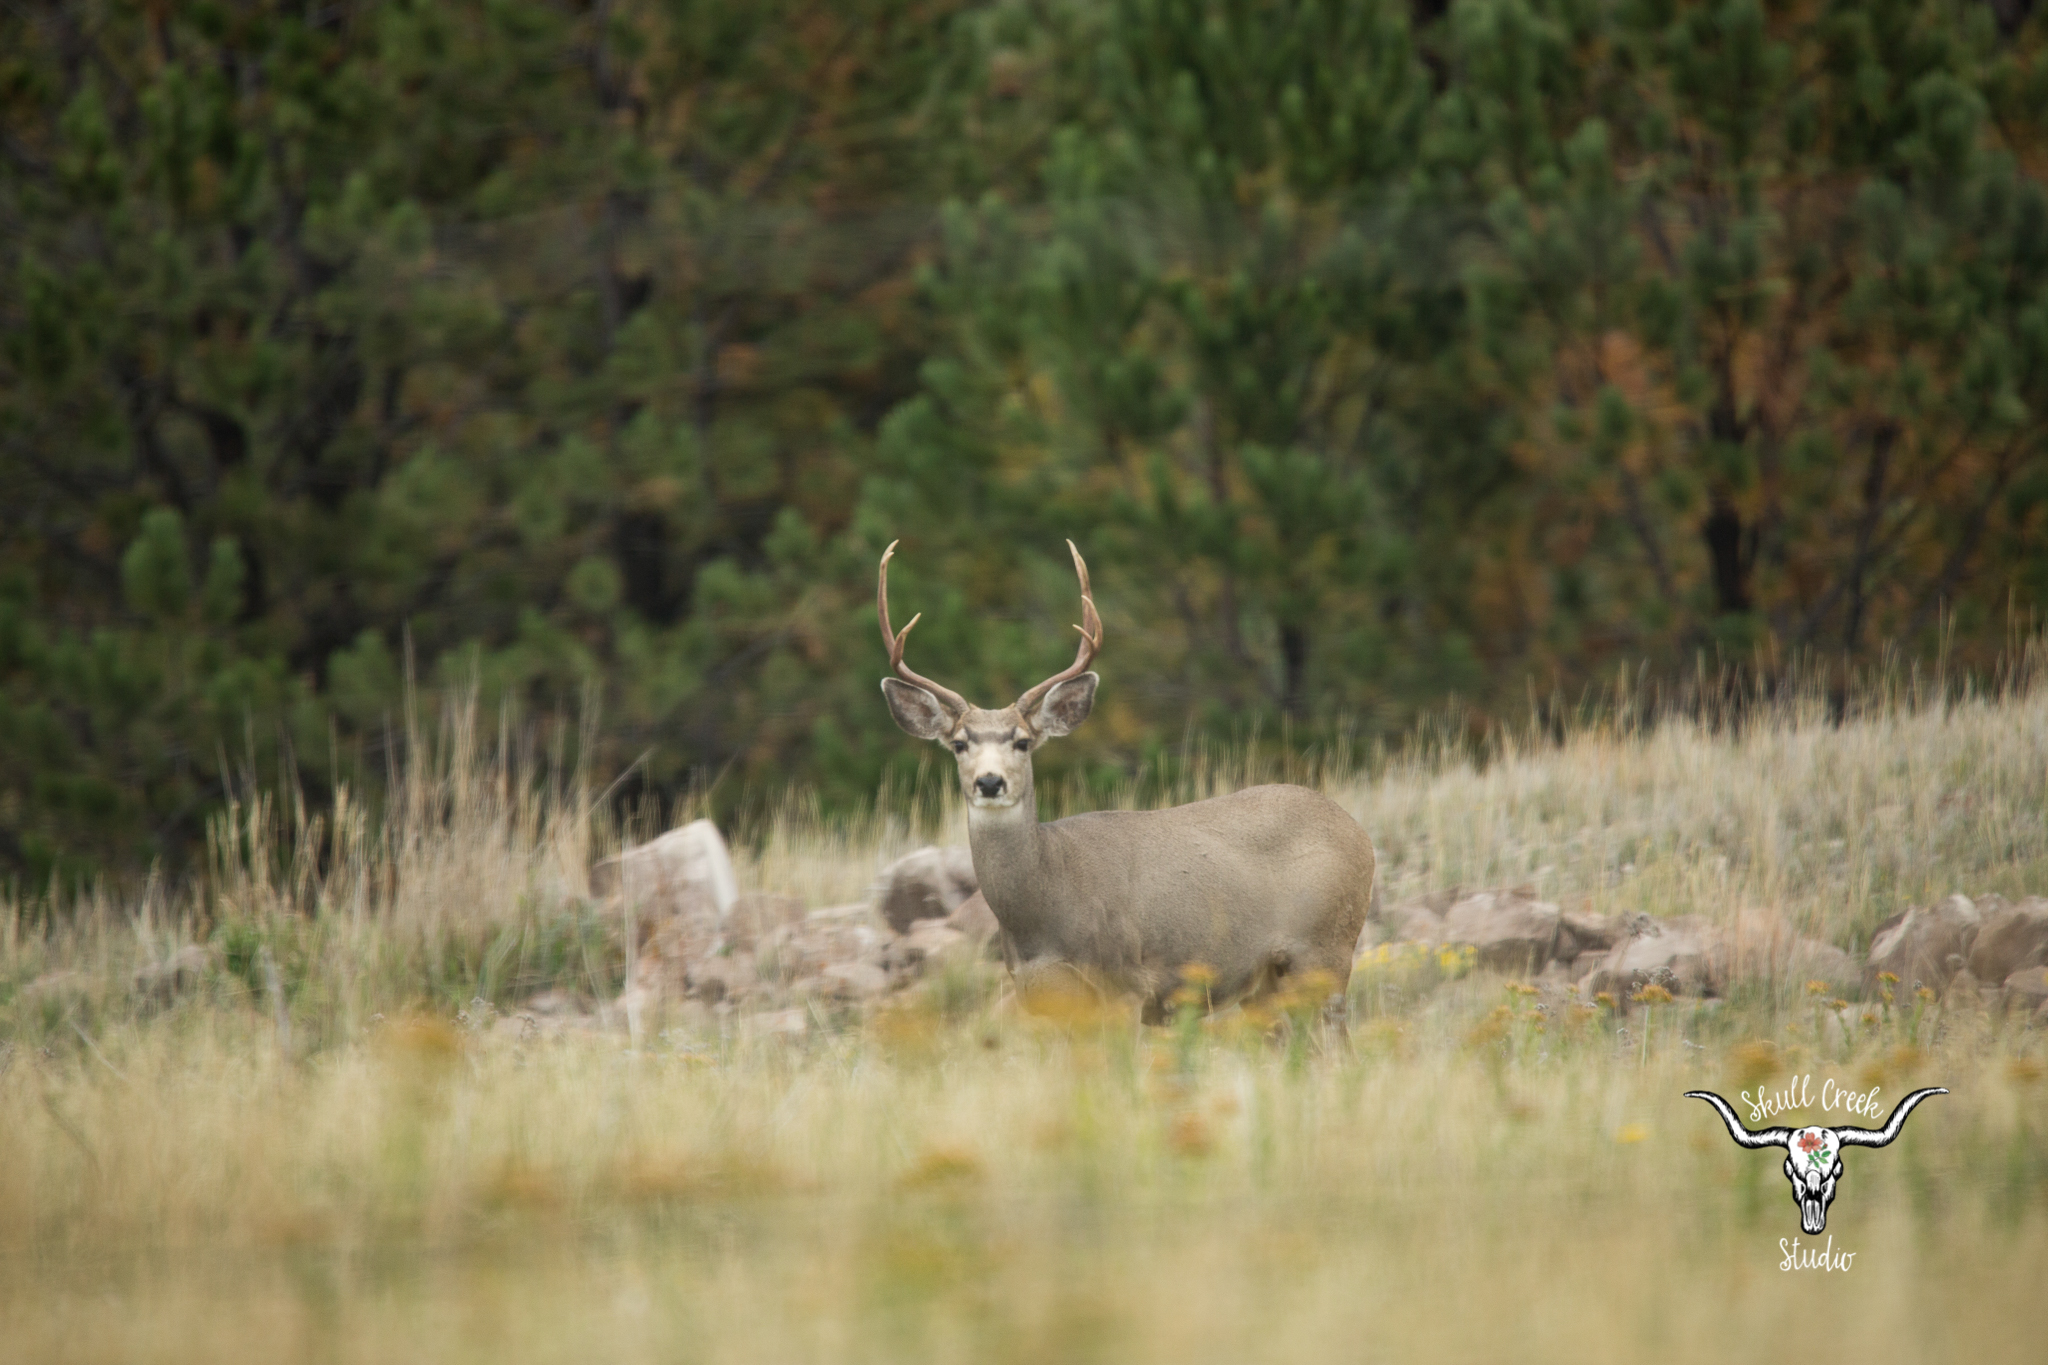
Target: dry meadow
315,1146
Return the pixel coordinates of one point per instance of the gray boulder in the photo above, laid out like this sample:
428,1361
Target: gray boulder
2025,992
1677,954
756,914
1586,932
1762,945
928,884
973,918
1510,931
1925,946
2012,937
843,933
676,892
1812,960
687,870
725,976
929,944
852,981
1413,922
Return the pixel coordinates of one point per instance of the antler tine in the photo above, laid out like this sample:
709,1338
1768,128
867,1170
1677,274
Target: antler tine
1091,639
1091,621
892,640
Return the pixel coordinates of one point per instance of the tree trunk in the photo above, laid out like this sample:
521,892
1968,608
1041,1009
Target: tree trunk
1723,533
1294,659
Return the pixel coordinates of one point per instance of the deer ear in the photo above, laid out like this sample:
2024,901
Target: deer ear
916,710
1061,710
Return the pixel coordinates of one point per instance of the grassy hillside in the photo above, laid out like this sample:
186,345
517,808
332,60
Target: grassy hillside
307,1154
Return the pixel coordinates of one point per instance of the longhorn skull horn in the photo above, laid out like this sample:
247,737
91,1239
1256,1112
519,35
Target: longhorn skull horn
1761,1137
1880,1137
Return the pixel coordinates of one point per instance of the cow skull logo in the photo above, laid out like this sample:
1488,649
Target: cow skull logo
1813,1156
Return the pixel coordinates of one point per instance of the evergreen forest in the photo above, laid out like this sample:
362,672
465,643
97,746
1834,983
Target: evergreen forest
584,355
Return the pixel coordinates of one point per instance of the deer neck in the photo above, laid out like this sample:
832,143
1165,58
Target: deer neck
1009,857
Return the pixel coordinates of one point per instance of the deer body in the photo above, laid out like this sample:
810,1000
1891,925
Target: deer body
1259,886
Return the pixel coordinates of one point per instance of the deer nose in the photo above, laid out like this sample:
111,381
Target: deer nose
988,784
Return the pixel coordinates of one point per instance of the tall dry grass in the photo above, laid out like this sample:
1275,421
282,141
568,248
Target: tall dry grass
262,1168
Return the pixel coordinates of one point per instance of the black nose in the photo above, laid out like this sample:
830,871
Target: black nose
989,785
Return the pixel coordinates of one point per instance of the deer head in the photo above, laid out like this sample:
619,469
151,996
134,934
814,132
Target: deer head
992,748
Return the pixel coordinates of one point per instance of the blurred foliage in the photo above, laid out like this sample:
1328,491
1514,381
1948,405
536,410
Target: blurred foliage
592,352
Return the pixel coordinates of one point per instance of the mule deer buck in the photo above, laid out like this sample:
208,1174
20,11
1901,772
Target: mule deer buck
1260,886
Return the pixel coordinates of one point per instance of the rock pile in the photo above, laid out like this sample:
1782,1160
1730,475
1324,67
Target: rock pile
1618,955
1986,948
704,945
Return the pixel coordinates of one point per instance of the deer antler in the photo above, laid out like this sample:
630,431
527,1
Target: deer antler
1091,641
893,641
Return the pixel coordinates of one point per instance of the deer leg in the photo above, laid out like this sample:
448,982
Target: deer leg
1337,1022
1267,977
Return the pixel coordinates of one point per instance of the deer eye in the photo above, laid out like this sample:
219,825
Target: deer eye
959,746
1022,746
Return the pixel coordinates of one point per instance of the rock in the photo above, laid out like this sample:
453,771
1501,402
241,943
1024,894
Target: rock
929,943
928,884
756,914
2012,937
841,934
687,871
722,976
1419,919
1588,932
855,980
1925,946
1677,954
973,918
1812,960
1965,991
680,959
1414,922
679,893
1510,931
2025,992
663,965
696,938
1762,945
182,971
